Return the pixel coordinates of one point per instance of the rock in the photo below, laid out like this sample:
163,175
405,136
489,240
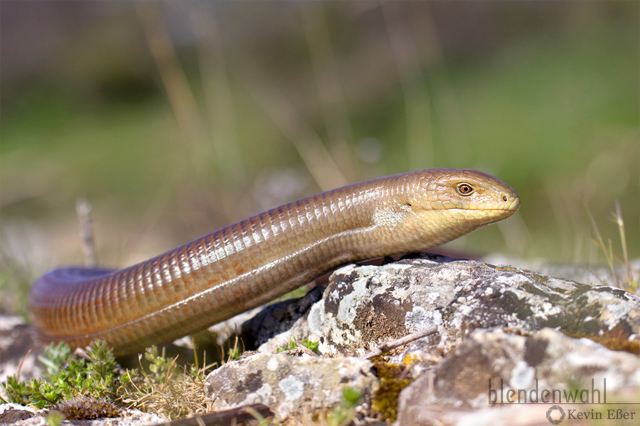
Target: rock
290,386
587,274
514,415
366,305
131,418
277,318
483,369
19,346
11,413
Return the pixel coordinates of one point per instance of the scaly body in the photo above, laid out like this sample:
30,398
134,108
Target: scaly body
265,256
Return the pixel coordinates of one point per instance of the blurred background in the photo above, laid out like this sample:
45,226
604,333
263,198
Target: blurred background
174,119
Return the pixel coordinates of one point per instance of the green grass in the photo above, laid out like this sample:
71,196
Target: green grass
66,376
98,387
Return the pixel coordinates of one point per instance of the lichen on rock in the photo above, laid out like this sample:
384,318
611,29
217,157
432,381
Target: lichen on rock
290,385
366,305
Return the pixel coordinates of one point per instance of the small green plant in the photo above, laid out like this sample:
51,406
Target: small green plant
82,387
310,345
54,418
54,358
16,391
343,415
67,377
293,344
233,354
288,347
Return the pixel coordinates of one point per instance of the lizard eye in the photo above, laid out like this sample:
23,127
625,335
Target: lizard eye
465,189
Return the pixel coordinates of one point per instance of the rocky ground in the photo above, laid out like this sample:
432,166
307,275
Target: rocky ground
510,346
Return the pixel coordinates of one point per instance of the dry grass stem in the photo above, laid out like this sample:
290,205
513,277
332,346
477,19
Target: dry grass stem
173,395
218,92
599,241
174,81
416,96
618,219
387,346
630,281
330,90
308,143
87,237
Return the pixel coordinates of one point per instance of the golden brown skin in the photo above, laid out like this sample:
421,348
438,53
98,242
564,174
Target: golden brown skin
265,256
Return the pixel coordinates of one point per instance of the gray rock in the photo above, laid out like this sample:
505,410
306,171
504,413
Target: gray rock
277,318
587,274
290,386
509,415
11,413
490,363
19,346
131,418
366,305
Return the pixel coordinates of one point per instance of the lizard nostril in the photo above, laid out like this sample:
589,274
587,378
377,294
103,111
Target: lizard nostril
504,198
